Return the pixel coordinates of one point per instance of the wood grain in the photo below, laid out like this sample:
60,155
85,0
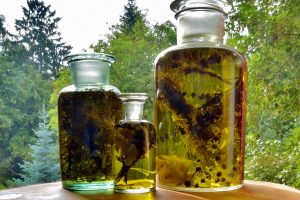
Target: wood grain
252,190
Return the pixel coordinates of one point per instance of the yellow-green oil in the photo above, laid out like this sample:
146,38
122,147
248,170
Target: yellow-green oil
199,116
134,153
86,125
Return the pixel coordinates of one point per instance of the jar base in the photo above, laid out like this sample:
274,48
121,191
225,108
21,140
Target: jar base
135,191
219,189
96,185
136,186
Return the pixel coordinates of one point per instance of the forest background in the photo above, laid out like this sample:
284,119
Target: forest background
32,74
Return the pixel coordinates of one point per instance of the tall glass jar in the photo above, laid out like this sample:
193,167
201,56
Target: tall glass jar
199,103
87,113
134,148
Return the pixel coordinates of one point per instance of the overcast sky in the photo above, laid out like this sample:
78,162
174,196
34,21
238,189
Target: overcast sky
85,21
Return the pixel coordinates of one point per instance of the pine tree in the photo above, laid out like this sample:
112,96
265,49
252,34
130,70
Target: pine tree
131,15
38,32
44,165
22,91
3,31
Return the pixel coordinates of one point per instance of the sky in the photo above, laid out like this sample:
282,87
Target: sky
84,22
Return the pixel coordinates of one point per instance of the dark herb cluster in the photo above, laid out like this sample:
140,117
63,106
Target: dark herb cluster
133,141
86,123
200,96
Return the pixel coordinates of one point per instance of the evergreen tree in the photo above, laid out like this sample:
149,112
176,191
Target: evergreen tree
10,48
131,15
44,165
22,87
3,30
22,90
38,33
21,94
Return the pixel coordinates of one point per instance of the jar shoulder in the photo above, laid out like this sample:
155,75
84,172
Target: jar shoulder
198,46
69,88
134,123
73,88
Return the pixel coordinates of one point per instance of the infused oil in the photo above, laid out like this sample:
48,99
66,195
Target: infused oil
87,113
199,104
86,126
134,148
199,113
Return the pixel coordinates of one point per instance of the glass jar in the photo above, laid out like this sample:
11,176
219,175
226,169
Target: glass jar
134,148
87,112
199,103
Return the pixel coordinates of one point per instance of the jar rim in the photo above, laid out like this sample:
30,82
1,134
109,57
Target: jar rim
90,56
125,97
181,5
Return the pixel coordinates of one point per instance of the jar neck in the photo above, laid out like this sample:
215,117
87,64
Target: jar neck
200,25
134,110
89,73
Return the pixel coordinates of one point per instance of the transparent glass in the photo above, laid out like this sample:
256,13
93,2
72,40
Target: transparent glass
87,112
199,105
134,148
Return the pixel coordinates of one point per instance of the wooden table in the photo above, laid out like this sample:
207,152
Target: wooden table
252,190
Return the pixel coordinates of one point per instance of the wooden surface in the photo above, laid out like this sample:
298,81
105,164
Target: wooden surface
252,190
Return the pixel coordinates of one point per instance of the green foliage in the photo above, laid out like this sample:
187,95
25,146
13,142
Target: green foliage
64,79
23,88
43,166
3,31
164,34
267,32
38,32
135,53
131,15
21,93
135,50
271,160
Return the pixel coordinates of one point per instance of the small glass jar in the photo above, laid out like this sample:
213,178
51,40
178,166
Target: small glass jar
134,148
199,103
87,113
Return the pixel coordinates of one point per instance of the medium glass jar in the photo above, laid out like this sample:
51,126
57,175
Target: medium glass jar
134,148
199,103
87,113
